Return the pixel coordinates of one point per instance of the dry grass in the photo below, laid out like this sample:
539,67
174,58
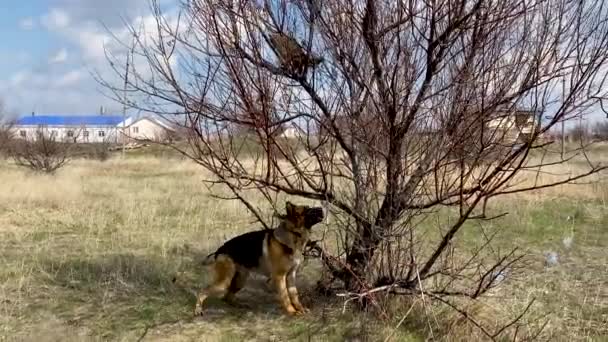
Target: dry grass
89,254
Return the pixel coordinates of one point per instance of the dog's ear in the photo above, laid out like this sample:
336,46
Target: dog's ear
290,209
284,236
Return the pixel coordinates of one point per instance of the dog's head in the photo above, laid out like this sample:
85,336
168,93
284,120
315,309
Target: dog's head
302,215
297,222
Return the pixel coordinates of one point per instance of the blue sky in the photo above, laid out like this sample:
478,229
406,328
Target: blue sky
50,48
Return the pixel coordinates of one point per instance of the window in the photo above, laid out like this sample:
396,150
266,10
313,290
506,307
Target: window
135,129
70,134
85,134
101,133
22,133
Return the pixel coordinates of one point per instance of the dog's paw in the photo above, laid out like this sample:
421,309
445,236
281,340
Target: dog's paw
303,310
291,311
198,310
299,313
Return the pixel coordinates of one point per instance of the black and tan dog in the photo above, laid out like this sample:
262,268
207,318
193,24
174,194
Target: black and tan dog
275,253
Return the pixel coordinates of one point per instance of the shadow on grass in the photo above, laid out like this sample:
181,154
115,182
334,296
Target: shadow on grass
126,296
113,294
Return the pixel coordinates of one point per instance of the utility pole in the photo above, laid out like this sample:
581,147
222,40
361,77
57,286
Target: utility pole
563,104
124,100
124,108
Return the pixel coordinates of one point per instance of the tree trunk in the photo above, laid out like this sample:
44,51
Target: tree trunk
364,246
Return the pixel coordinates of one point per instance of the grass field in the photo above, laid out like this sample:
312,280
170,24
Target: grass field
89,254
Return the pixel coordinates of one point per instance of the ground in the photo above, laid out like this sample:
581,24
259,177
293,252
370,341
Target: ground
89,254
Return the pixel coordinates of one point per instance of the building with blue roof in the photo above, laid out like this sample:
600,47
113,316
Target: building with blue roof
96,128
65,120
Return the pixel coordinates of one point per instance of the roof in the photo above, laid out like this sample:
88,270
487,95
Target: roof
126,123
70,120
163,123
131,121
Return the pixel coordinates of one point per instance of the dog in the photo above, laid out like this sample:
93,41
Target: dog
275,253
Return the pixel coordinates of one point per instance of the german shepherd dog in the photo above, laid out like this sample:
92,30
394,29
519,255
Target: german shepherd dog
275,253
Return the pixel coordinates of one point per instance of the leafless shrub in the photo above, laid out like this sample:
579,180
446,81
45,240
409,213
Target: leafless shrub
43,152
6,130
413,109
101,151
6,137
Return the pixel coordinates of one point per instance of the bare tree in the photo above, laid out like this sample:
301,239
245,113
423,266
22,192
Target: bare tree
600,131
42,152
579,133
402,109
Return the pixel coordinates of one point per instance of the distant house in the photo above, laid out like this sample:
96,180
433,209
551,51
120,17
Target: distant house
510,126
516,126
290,132
145,128
90,128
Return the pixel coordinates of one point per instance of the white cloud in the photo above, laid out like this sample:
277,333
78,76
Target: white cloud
60,57
70,78
19,78
91,42
27,24
26,79
56,19
110,12
62,83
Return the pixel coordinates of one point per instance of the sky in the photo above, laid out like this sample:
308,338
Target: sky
51,47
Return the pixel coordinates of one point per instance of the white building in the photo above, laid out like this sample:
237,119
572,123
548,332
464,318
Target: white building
90,128
145,128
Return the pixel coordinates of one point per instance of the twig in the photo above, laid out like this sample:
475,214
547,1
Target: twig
354,296
401,321
149,326
465,315
423,300
515,320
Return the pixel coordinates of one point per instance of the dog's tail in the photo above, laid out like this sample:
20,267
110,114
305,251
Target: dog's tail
209,259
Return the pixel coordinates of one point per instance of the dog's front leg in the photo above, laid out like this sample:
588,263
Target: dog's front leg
293,291
280,283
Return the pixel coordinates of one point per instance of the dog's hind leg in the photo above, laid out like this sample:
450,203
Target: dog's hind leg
237,283
269,284
292,290
225,271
